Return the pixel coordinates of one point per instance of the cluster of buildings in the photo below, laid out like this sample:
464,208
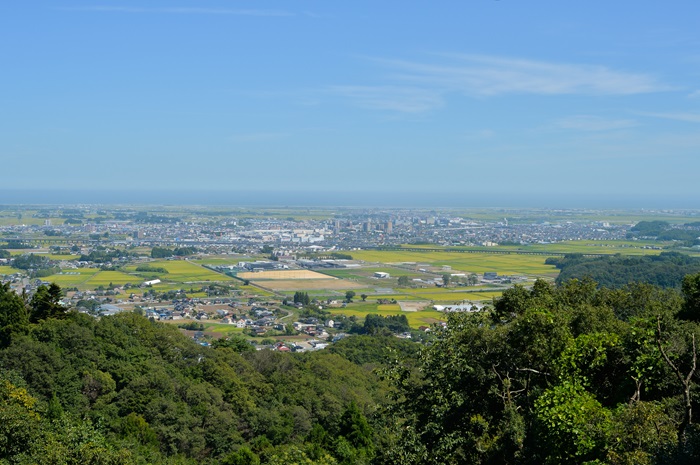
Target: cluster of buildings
349,229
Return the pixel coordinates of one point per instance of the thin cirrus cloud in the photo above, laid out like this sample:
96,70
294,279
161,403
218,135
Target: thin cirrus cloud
419,86
594,123
179,10
489,75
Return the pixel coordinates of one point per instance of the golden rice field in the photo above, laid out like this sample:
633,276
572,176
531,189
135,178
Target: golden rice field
508,264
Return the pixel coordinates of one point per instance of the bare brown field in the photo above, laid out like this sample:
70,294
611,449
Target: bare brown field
304,284
284,275
413,305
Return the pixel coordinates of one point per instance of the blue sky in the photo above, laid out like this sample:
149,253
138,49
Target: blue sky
540,99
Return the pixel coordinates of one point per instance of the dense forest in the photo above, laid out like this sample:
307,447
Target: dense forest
688,234
575,373
664,270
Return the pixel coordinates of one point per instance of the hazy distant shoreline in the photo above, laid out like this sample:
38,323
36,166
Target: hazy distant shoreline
406,199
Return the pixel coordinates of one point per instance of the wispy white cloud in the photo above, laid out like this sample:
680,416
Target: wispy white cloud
490,75
594,123
396,98
678,116
179,10
417,86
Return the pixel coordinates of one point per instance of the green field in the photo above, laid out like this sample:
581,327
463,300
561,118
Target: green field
455,297
66,258
415,319
222,260
222,328
8,270
104,278
90,278
368,272
584,247
13,221
529,216
508,264
180,271
74,277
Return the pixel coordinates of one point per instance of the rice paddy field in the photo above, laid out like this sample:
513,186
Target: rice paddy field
441,295
104,278
282,275
222,260
180,274
518,216
179,271
508,264
28,220
74,277
297,280
415,319
6,270
307,284
368,272
584,247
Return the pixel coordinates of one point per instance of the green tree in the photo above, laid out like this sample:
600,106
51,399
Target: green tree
13,314
446,278
575,424
349,295
20,425
45,303
237,343
691,293
243,456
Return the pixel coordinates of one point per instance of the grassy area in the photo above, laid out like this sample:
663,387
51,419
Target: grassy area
222,328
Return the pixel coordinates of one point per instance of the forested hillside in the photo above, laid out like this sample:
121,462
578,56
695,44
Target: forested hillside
664,270
128,390
574,373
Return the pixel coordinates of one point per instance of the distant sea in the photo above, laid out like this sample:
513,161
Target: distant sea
403,199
